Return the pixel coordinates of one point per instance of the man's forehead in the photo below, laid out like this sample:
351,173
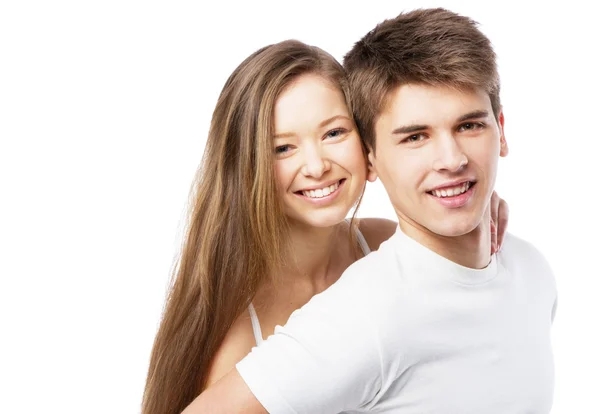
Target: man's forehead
424,103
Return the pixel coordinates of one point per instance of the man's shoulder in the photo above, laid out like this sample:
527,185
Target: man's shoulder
518,254
372,267
515,247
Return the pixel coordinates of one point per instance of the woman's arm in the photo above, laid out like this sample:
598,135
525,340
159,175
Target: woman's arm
237,344
325,359
228,395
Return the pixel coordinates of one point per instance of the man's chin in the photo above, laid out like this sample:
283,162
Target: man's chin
451,228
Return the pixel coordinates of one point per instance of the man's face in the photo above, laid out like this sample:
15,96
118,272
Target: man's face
436,154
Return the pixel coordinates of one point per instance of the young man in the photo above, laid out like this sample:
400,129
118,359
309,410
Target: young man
430,323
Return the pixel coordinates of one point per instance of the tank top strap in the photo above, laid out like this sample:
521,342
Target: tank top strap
255,324
362,242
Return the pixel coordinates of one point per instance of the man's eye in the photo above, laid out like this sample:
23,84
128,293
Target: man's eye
414,138
470,126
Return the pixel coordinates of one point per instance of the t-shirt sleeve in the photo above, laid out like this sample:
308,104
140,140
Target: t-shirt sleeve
324,360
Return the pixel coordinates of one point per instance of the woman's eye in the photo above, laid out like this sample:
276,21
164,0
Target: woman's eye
336,133
282,149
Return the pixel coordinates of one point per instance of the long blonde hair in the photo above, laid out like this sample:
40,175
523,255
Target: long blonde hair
236,230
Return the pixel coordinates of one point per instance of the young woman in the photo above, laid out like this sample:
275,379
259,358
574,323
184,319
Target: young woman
283,166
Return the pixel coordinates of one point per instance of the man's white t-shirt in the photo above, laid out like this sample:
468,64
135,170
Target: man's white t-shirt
405,330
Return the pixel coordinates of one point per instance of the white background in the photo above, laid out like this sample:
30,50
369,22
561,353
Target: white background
104,109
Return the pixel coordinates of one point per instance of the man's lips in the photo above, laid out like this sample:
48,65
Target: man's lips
453,183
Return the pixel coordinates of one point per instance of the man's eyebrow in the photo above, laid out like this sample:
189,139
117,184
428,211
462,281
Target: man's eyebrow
473,115
409,129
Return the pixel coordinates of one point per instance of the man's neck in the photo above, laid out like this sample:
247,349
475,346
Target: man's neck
470,250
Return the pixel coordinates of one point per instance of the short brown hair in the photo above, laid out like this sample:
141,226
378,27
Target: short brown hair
427,46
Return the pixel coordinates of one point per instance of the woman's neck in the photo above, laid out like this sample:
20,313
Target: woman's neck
317,258
313,250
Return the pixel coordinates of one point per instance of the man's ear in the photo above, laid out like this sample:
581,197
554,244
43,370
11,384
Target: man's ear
503,143
371,171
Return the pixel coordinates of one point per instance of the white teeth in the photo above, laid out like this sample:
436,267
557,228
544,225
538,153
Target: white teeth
321,192
451,192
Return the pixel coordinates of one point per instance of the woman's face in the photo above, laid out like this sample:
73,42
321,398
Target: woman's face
319,164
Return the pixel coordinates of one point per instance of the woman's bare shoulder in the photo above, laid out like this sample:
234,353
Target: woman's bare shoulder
376,230
237,344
